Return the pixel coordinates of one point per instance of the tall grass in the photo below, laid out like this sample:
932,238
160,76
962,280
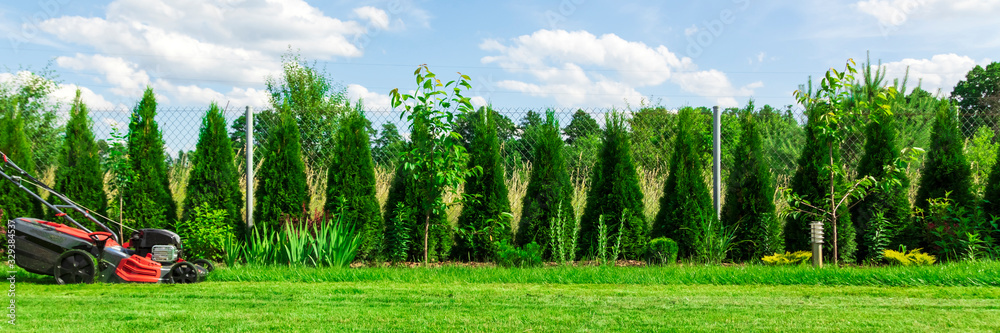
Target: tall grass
322,241
517,188
651,182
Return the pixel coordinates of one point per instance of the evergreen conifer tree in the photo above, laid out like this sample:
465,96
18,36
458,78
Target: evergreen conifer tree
148,201
874,235
686,202
945,168
13,201
79,175
351,178
281,190
749,205
615,194
481,223
213,179
549,194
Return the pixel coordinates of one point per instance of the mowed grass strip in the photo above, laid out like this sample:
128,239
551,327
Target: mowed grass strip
498,307
952,274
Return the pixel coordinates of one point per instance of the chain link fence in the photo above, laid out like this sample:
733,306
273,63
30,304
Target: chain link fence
652,131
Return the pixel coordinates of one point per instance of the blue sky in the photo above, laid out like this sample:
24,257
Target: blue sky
534,54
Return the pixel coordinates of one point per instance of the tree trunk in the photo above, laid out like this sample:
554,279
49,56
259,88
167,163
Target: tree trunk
427,228
833,202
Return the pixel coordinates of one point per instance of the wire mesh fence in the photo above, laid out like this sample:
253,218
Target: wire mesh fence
652,131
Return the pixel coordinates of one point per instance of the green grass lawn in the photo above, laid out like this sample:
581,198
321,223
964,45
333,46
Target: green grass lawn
537,300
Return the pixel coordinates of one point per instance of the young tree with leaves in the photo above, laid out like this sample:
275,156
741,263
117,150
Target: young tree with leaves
214,180
437,158
351,182
614,194
148,201
281,189
549,194
880,215
79,175
945,169
686,203
484,218
749,206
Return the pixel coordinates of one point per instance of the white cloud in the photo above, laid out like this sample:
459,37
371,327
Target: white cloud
941,71
690,31
615,68
125,78
376,17
892,13
66,94
370,100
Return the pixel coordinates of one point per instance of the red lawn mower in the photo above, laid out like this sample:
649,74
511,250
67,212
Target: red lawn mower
78,255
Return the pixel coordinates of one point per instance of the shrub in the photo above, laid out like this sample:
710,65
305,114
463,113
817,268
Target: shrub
13,201
955,232
614,190
79,175
214,181
880,215
281,182
397,241
661,250
486,193
509,255
205,232
148,201
404,221
749,206
548,198
811,182
797,258
945,168
317,241
351,178
686,202
912,258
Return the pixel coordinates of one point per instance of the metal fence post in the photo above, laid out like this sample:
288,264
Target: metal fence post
249,152
717,160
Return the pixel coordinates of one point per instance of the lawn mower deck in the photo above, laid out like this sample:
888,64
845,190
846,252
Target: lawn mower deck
78,255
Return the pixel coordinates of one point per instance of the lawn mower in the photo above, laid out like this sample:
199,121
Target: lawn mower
79,255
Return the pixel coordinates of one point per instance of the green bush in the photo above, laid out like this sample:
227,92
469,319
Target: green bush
281,189
661,250
509,255
13,201
685,199
148,201
945,168
749,206
205,232
812,183
549,194
79,175
954,232
321,240
404,221
214,181
614,190
351,178
881,215
479,223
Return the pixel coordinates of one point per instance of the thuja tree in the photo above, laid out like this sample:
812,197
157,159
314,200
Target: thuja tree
281,189
548,199
351,182
880,215
749,205
14,144
686,204
437,158
214,180
615,197
148,202
946,169
79,175
482,220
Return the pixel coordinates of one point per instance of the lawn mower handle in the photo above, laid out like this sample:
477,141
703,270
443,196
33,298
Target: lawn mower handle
59,212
